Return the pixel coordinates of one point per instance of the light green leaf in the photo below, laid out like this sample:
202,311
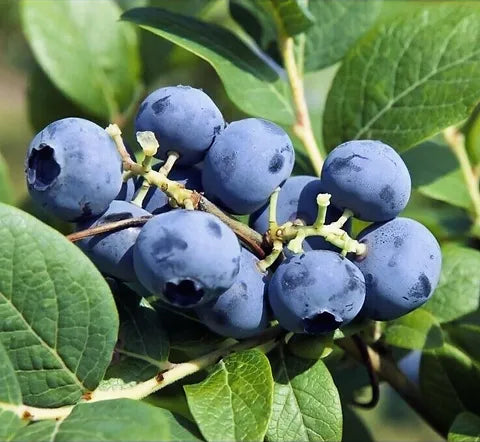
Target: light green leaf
294,15
407,79
465,428
252,84
6,190
450,383
10,424
338,25
306,404
458,291
435,173
240,392
58,320
416,331
114,420
10,394
91,57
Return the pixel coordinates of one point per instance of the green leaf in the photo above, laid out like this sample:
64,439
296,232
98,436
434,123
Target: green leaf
465,428
6,190
436,174
252,84
255,19
472,136
450,383
416,331
143,343
466,337
91,57
10,424
338,25
10,394
407,79
41,90
240,392
458,290
111,421
294,15
306,404
58,320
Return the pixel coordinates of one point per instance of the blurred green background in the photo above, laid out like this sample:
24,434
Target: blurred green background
21,78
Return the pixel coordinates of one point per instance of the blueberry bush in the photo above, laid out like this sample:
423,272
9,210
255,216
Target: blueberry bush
193,276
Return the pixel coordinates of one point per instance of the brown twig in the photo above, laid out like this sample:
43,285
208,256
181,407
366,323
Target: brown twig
387,370
372,375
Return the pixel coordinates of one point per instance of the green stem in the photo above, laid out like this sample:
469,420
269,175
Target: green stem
272,209
303,126
172,157
456,141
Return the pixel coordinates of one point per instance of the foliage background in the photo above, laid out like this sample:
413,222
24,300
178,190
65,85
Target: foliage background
28,101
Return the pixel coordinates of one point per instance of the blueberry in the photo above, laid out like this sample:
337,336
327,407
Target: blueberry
112,252
247,161
156,201
73,169
367,177
187,257
241,311
401,267
184,119
316,292
410,366
297,201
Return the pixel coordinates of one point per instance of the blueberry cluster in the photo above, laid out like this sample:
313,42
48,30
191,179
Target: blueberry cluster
315,279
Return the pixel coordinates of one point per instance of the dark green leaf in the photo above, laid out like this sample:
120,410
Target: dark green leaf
252,84
465,428
338,25
114,420
41,90
255,19
458,291
58,321
6,191
240,392
466,337
90,56
417,330
306,404
407,79
294,15
450,383
435,173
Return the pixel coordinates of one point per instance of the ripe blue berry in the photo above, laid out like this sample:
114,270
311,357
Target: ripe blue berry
187,257
73,169
367,177
247,161
156,201
401,267
112,252
183,119
241,311
297,201
316,292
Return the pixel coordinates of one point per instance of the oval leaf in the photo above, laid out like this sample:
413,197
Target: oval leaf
111,421
91,57
306,404
240,393
252,84
407,79
465,428
58,320
416,331
294,15
338,24
458,291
